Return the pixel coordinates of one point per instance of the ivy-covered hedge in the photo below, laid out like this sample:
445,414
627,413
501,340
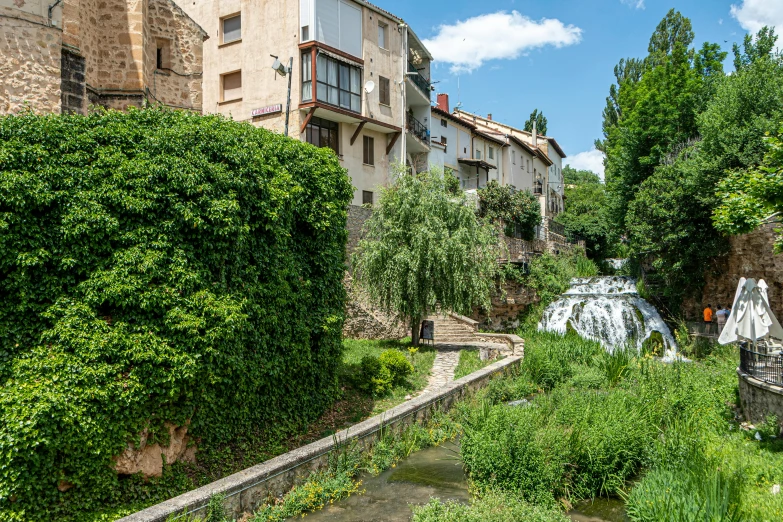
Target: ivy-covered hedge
157,266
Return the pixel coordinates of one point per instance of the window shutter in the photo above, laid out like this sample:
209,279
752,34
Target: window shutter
232,29
350,29
327,22
385,96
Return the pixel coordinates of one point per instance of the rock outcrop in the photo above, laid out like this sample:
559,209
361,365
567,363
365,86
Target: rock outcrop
148,459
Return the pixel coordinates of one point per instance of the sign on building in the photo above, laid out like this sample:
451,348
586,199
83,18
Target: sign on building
269,109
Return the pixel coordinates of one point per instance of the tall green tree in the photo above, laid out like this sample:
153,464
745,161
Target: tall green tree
572,176
669,220
753,197
586,213
423,245
540,120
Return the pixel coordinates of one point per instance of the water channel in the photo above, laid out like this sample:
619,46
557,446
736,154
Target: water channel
432,472
605,309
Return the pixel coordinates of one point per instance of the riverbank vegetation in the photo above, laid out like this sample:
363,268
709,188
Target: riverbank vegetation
664,437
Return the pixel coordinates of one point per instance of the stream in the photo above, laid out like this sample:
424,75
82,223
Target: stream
431,472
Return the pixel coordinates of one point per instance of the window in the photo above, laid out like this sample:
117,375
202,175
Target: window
339,25
478,154
366,197
307,77
163,53
306,33
385,94
443,140
232,86
514,157
383,35
369,150
444,123
232,28
323,133
339,84
492,153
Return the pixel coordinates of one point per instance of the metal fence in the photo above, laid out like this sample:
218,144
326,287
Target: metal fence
419,80
418,129
767,368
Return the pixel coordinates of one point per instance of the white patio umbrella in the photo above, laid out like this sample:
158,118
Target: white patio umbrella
751,317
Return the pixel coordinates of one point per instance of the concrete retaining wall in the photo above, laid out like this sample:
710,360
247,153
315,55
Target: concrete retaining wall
248,489
759,399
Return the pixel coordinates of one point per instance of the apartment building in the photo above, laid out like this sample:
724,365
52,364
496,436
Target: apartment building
461,149
542,171
64,56
359,79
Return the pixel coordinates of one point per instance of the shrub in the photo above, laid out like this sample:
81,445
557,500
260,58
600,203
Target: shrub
375,378
157,266
398,365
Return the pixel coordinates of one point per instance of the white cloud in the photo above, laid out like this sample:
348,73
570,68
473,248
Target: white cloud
638,4
752,15
589,160
467,44
720,21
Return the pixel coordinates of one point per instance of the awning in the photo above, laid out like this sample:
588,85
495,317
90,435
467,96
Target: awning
477,163
339,58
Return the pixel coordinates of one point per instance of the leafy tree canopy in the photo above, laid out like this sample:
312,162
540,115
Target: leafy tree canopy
572,176
424,245
755,196
519,210
586,212
540,120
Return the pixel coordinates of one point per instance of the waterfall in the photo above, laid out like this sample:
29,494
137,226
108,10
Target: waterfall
608,310
617,264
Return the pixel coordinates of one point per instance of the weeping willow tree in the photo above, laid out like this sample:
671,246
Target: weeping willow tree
425,245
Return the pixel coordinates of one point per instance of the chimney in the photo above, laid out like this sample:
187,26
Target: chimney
489,116
443,102
535,135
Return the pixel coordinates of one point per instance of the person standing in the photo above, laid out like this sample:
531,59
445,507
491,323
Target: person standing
708,320
721,315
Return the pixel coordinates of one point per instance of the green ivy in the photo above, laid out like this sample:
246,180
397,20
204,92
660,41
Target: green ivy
157,266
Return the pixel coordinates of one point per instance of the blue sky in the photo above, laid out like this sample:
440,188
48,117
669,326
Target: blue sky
512,56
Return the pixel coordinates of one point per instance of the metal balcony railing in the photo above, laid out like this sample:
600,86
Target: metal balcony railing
418,129
767,368
419,80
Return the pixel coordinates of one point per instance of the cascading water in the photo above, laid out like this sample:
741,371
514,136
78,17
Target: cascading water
608,310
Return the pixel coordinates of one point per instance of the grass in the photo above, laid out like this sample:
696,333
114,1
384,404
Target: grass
469,362
422,359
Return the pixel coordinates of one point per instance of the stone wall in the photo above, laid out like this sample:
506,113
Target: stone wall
105,54
750,255
759,399
178,84
507,308
30,60
247,490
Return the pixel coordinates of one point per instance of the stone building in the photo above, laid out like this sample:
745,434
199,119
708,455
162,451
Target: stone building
67,55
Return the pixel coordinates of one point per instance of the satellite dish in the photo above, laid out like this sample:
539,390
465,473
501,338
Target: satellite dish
369,86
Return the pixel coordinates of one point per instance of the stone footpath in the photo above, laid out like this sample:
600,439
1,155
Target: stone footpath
447,359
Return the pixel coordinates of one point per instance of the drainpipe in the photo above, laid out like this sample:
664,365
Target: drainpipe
51,8
404,61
